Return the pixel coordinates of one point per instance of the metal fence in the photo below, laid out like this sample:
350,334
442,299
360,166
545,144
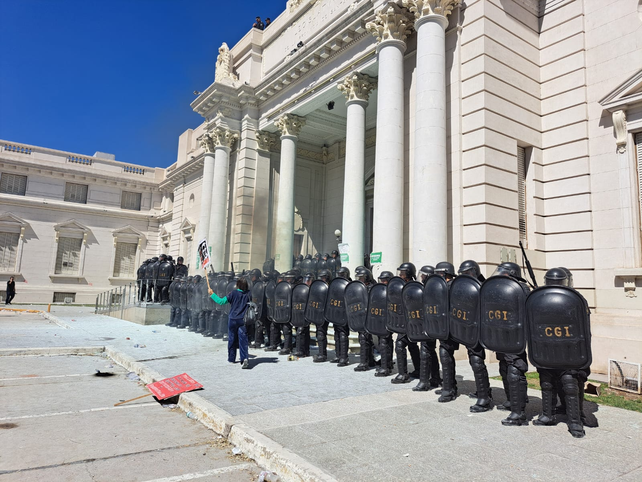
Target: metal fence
116,301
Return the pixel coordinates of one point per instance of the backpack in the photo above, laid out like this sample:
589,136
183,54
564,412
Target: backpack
251,313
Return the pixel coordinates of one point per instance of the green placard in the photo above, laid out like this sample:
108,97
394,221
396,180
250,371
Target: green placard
345,258
375,258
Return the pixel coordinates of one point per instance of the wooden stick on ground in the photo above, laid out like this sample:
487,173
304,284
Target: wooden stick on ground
132,399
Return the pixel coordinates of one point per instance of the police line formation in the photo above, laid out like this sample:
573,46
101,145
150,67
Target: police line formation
501,314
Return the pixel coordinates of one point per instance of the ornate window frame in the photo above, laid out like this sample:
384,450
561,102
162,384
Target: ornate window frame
126,234
10,223
70,229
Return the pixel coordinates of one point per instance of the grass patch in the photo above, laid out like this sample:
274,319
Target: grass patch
608,396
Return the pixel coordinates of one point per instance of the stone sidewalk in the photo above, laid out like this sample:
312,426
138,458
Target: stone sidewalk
352,425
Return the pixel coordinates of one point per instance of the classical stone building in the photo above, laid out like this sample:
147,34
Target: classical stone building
423,130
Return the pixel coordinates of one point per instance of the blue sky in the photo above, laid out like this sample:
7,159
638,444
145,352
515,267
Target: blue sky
114,76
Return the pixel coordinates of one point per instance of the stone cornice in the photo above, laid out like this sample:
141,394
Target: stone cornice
290,124
357,86
421,8
391,23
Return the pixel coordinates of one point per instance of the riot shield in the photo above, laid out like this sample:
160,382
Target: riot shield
463,312
283,302
335,305
270,288
165,273
331,264
377,310
412,298
231,286
219,288
436,308
299,303
356,296
396,317
316,302
258,293
559,331
307,267
503,317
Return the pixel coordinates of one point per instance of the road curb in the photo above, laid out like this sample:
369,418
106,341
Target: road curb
53,351
265,451
56,320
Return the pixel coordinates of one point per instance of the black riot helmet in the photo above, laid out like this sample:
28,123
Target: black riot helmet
325,275
162,257
170,259
179,260
556,277
255,275
471,268
364,275
147,261
279,277
344,273
190,279
317,256
308,256
446,270
508,269
290,276
407,271
197,278
334,253
229,274
426,271
385,276
570,276
325,256
308,279
154,259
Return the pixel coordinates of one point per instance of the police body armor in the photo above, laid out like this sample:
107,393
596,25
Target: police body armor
503,315
231,286
356,296
463,312
307,266
299,303
181,270
314,312
333,265
559,332
283,302
174,294
165,273
396,317
183,295
413,304
149,274
258,296
335,305
270,288
436,308
377,310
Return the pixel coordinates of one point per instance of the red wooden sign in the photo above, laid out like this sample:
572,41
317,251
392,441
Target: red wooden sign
170,387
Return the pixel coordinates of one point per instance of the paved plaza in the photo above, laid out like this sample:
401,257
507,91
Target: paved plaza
352,426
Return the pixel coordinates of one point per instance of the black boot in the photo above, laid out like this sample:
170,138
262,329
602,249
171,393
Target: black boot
344,344
415,356
322,343
449,390
547,417
364,353
300,343
483,385
336,346
503,371
386,354
517,390
424,370
574,418
402,361
287,339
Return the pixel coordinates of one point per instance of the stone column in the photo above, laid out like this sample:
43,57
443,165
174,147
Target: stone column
290,125
203,227
357,88
391,27
223,139
429,203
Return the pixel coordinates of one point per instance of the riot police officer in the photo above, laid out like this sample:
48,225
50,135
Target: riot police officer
174,301
184,302
385,342
447,347
286,328
275,329
366,345
140,280
165,275
407,272
429,377
341,333
150,279
322,328
181,269
334,262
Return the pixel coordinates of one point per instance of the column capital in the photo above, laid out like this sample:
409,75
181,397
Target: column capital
423,8
207,143
265,140
223,137
391,23
357,86
290,124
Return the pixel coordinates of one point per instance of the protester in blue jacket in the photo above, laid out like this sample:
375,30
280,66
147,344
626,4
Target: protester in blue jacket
237,334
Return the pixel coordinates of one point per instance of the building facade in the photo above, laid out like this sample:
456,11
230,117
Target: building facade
422,130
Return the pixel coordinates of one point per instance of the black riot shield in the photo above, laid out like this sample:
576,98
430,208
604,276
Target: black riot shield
283,302
219,289
258,293
356,296
316,302
299,303
307,266
503,315
331,264
559,332
165,273
335,305
412,298
231,286
396,317
436,308
270,288
377,310
463,312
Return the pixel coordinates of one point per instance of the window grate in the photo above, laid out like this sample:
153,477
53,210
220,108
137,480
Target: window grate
68,257
124,265
521,192
63,297
76,193
8,251
130,200
13,184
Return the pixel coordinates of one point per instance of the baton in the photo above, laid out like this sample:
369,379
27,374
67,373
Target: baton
528,265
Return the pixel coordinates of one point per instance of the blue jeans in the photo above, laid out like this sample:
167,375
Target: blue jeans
236,336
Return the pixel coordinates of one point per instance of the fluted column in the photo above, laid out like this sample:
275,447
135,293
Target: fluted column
391,27
289,125
206,188
357,88
223,140
430,171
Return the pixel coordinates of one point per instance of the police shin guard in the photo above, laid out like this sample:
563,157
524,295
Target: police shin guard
275,337
571,393
193,325
449,390
480,372
517,388
322,343
503,371
424,370
402,362
416,359
386,356
344,342
548,399
300,343
202,320
184,319
364,353
287,339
